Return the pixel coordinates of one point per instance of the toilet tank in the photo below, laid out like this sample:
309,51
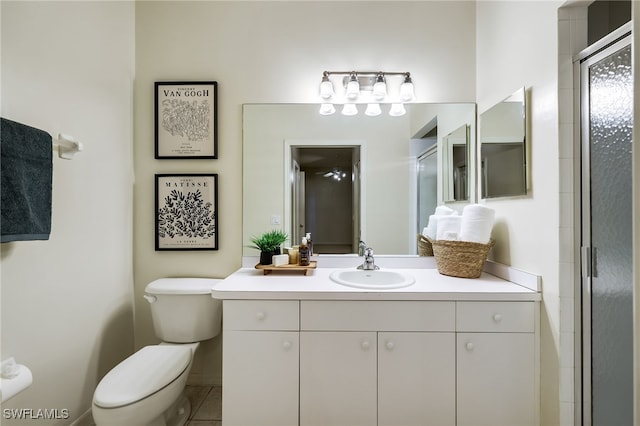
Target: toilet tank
183,310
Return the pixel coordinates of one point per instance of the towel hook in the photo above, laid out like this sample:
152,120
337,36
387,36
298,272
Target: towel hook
67,146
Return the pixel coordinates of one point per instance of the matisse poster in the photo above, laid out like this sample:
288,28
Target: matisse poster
186,211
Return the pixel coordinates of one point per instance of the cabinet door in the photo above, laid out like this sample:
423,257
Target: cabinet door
416,379
260,378
496,379
338,378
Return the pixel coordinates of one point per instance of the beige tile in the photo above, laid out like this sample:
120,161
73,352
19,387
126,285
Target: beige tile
204,423
211,406
196,395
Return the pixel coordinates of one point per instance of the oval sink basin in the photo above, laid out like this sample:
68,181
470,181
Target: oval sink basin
377,279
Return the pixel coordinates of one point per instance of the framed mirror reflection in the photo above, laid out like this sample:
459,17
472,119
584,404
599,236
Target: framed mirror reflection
347,179
503,148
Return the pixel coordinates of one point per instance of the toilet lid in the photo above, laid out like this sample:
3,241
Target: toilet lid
142,374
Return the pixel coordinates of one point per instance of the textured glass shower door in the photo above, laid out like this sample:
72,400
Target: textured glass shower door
607,217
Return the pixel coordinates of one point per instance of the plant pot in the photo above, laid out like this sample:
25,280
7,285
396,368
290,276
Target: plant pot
266,256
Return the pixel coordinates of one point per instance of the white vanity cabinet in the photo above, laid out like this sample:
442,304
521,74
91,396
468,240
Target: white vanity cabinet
496,364
357,369
380,362
416,378
260,369
338,378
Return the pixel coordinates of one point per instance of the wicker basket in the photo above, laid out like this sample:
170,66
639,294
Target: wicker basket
424,246
462,259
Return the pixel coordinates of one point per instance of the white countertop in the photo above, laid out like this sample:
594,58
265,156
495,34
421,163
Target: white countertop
251,283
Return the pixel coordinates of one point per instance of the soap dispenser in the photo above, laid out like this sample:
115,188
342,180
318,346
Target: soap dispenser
309,243
303,253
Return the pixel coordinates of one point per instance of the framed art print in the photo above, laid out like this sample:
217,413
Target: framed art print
186,124
186,211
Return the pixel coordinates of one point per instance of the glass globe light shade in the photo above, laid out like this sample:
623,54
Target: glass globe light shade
397,110
353,88
373,110
326,89
327,109
349,109
406,90
379,88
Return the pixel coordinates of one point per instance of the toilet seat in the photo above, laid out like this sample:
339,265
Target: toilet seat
142,374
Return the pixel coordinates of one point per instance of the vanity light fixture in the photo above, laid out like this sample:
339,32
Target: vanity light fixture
326,87
367,87
380,88
406,89
353,87
349,109
373,110
397,110
327,109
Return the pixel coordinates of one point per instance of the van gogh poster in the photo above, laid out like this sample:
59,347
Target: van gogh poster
186,209
186,119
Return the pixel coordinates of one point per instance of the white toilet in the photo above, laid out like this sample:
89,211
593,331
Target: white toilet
147,388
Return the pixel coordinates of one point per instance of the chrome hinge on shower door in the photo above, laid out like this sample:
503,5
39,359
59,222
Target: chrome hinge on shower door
588,262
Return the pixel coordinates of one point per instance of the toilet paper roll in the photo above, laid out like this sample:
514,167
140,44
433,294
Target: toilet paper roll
21,380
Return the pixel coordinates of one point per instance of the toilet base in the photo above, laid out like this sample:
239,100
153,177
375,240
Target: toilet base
178,413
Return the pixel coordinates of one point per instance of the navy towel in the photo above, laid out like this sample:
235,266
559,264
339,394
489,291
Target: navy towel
25,187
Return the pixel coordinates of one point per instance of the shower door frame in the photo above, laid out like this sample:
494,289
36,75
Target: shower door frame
613,42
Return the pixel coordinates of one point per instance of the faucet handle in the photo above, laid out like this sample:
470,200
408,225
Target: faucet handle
368,251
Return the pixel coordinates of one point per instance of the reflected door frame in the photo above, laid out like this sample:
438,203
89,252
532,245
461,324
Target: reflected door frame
360,219
298,203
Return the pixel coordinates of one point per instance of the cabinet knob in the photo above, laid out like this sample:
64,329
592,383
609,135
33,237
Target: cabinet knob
286,345
365,345
390,345
260,316
469,346
497,317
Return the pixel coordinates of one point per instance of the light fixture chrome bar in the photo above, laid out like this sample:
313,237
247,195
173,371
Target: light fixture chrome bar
366,87
363,73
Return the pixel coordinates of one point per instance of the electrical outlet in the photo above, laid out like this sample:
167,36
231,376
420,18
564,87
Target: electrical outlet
275,219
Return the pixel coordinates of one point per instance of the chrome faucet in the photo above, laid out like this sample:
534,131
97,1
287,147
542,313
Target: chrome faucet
369,261
361,247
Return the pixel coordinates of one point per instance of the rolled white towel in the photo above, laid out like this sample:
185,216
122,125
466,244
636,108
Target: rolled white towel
448,227
445,211
432,226
477,223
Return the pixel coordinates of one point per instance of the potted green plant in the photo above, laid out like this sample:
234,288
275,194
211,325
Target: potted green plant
269,244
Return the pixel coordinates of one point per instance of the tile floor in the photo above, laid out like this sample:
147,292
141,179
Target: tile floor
206,405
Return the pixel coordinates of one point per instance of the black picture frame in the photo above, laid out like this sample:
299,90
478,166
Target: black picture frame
186,211
186,119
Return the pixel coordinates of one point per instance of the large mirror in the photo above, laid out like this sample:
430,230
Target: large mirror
347,179
503,150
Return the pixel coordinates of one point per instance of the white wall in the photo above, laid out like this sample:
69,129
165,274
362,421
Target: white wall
272,52
517,45
67,302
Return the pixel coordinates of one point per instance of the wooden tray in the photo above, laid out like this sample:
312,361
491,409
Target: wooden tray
267,269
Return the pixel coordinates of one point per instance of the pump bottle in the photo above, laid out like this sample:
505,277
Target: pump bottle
303,253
